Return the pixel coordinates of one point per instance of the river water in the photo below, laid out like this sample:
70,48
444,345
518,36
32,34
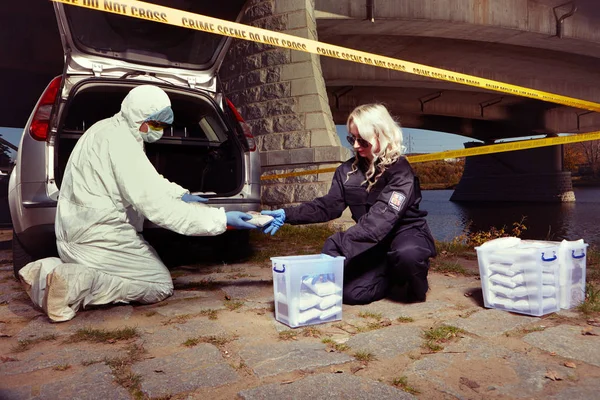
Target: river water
544,221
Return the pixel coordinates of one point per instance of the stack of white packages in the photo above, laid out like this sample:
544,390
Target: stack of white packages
519,275
320,299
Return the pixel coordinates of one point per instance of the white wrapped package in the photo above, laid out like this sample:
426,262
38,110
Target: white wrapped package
330,312
522,291
321,288
503,269
307,315
526,305
308,300
504,280
329,301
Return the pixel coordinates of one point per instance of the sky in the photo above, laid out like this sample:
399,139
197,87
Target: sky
421,141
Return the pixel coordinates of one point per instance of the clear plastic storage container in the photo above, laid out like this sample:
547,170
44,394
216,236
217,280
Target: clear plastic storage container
520,276
308,289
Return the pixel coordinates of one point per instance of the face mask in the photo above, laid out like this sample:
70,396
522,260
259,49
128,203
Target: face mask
152,135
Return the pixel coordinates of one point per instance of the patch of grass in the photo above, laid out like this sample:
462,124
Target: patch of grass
287,335
364,356
87,363
311,332
370,314
23,345
191,342
61,367
341,347
434,337
536,328
179,319
232,305
210,313
402,383
26,344
218,340
214,340
239,366
132,382
404,320
591,304
452,267
433,346
371,326
454,247
103,336
123,375
289,240
443,333
150,313
237,276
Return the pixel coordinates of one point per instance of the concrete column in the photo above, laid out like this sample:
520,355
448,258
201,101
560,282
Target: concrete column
533,175
281,94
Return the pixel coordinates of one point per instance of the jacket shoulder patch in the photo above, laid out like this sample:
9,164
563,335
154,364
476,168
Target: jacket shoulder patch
396,200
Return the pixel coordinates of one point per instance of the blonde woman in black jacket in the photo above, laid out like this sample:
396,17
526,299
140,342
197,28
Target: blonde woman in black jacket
390,245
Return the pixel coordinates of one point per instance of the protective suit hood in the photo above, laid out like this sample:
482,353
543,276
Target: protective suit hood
139,104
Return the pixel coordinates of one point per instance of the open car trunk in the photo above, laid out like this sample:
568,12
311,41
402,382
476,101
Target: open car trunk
200,151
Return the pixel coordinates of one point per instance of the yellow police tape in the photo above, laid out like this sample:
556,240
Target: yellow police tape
166,15
475,151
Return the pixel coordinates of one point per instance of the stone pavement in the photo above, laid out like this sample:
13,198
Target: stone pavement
217,338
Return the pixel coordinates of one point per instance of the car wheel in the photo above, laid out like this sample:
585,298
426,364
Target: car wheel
20,256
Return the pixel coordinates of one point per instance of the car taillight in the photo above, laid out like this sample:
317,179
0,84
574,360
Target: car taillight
250,141
41,118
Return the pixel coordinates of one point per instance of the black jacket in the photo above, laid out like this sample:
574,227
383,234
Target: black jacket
392,205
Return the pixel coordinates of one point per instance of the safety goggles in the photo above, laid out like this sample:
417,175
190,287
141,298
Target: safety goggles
361,142
157,124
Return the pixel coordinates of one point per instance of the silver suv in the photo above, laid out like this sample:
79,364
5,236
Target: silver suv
208,150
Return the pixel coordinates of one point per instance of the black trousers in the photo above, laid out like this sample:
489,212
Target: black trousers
401,259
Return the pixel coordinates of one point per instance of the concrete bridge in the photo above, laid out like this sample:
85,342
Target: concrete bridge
541,44
293,100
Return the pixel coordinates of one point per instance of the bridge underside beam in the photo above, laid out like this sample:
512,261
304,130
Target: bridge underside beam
481,115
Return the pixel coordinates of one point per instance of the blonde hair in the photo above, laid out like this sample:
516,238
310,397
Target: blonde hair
374,123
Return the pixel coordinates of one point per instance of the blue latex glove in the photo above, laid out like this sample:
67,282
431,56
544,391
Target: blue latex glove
192,198
237,219
278,220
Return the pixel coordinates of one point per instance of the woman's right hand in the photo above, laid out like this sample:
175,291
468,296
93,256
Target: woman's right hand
278,220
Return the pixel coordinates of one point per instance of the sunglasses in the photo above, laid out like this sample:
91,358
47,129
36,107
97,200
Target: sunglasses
157,124
361,142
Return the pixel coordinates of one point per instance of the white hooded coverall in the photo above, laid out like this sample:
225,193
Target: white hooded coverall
109,186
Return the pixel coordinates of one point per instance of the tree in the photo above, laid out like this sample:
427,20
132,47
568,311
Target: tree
591,154
573,157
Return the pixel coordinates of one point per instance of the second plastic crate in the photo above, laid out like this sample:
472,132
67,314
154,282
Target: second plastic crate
520,276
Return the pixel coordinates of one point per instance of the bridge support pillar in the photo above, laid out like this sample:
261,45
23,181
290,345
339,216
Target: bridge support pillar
533,175
281,94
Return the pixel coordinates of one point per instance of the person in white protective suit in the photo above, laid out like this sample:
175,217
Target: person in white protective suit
109,187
